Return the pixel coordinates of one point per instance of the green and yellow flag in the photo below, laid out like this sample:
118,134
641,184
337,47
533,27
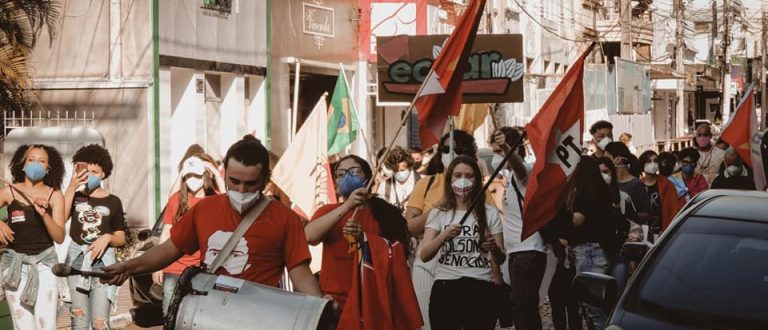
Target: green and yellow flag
342,120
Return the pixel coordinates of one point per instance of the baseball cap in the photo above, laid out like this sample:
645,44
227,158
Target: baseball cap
193,165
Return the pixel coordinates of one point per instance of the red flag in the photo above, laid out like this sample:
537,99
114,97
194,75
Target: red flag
742,134
441,93
555,134
382,295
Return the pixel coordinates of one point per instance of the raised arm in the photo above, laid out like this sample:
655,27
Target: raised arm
317,229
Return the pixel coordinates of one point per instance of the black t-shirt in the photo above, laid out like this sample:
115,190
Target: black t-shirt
93,216
653,194
636,190
596,226
735,182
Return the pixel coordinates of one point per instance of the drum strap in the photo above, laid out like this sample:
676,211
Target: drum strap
248,219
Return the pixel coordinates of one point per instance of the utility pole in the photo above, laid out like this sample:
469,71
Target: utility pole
625,15
725,73
764,69
679,112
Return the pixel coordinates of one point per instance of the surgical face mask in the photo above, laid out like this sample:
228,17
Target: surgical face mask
651,168
242,201
496,160
386,172
689,169
607,178
732,170
425,160
703,141
401,176
349,183
34,171
93,182
446,158
461,187
194,183
604,142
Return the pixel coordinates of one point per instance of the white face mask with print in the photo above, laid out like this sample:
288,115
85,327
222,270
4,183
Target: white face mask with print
242,201
194,184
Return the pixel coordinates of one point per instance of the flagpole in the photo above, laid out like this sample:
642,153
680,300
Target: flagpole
357,115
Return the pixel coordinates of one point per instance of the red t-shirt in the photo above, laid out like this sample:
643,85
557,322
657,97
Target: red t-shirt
337,266
171,208
275,240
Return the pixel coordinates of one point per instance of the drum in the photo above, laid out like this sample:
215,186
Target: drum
207,301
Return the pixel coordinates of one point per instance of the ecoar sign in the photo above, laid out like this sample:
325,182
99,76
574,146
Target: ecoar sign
495,67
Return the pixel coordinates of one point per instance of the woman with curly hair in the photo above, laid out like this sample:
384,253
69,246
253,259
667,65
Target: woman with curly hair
36,221
198,182
98,226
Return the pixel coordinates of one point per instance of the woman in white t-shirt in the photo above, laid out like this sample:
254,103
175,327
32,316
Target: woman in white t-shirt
468,254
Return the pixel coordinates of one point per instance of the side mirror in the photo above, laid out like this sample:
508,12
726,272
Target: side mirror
595,289
634,251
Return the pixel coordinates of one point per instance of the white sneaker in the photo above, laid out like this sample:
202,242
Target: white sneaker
121,321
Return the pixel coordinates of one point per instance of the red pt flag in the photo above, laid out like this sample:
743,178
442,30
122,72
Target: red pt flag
742,134
555,134
441,92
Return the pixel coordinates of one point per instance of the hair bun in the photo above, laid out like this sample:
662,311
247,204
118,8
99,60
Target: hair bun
248,137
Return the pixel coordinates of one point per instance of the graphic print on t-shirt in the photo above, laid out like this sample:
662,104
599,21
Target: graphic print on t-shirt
238,259
464,249
91,219
17,216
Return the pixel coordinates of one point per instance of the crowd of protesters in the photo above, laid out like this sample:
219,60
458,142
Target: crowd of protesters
467,266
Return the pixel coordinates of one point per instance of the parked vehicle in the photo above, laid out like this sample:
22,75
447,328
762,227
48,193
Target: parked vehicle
709,270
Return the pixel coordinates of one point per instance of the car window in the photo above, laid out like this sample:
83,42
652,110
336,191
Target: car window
711,273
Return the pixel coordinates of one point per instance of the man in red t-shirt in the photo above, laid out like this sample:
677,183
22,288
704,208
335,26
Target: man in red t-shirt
275,240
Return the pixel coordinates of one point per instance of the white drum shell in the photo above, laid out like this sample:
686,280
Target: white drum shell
254,306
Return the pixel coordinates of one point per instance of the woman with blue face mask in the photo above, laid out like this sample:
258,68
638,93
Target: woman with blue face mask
330,223
97,228
694,181
35,221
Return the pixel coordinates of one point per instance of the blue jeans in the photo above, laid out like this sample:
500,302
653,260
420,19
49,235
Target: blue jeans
590,257
169,284
91,300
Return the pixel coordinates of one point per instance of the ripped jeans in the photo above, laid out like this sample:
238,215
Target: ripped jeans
91,300
590,257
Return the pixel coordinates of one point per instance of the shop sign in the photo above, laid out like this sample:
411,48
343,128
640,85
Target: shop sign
493,73
318,20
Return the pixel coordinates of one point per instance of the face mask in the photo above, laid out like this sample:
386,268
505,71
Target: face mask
703,141
425,159
496,161
651,168
732,171
350,183
416,164
688,169
194,184
461,187
242,201
386,172
401,176
604,142
34,171
93,182
446,158
607,178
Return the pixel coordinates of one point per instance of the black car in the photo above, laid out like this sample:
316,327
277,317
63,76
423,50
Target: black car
709,270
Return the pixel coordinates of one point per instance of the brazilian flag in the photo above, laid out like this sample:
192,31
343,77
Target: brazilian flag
342,120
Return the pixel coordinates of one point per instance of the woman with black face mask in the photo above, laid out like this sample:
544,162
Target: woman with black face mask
330,223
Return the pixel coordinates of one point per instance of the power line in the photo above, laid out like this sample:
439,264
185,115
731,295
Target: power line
549,29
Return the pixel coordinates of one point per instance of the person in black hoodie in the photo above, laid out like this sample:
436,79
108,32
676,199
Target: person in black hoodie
733,174
589,201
